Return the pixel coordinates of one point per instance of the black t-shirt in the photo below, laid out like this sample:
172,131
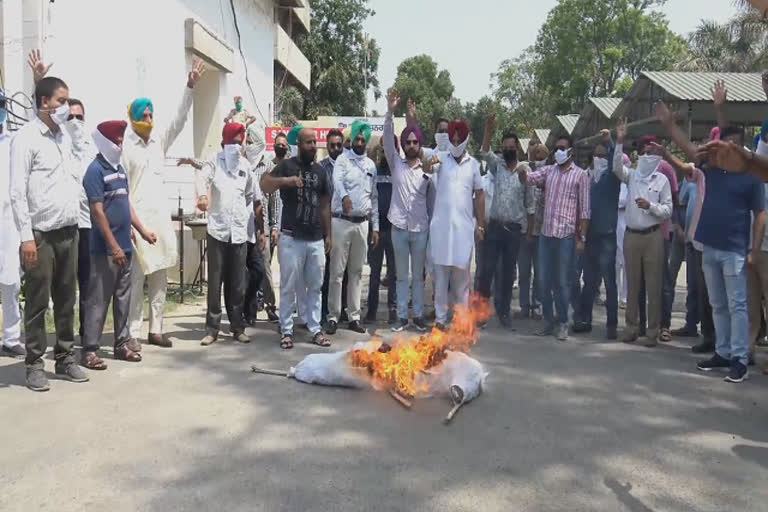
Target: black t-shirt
302,206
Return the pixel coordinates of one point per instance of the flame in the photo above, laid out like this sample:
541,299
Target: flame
397,368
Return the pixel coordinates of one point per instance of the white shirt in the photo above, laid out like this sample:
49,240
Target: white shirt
144,163
45,179
655,190
10,268
489,187
452,228
230,204
355,176
85,151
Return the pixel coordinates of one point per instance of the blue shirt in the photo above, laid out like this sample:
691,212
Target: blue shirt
726,212
103,184
688,197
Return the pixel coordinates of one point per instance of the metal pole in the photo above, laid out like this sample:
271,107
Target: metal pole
181,252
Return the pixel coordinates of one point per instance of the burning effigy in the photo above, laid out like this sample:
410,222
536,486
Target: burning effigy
428,365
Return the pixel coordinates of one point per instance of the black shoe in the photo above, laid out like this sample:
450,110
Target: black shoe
505,321
441,327
16,351
705,347
685,332
738,372
400,327
249,321
332,326
36,380
581,327
370,318
71,372
546,330
344,317
713,363
355,326
392,317
271,314
610,333
420,324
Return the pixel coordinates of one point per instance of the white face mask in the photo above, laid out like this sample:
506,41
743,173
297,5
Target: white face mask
457,151
562,156
59,114
646,164
76,129
232,156
293,150
443,141
540,163
252,154
599,166
108,149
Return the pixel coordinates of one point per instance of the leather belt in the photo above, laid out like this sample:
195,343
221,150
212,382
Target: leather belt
356,220
643,231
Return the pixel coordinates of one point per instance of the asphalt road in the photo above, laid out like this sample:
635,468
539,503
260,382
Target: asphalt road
580,426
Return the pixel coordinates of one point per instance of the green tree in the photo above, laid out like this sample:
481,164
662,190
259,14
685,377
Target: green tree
739,44
514,88
586,47
419,80
344,60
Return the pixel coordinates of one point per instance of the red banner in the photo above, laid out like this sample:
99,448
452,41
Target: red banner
270,132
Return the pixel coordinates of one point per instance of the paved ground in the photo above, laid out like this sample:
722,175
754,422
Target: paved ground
581,426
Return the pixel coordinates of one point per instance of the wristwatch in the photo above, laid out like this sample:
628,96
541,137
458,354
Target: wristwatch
583,238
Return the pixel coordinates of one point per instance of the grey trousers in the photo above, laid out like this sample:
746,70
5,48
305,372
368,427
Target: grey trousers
226,266
267,286
55,275
107,282
644,256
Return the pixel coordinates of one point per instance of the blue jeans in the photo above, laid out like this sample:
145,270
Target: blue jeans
556,260
726,277
454,280
410,247
600,263
301,264
527,260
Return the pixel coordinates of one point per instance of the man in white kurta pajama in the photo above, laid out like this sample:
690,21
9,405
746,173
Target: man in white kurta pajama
458,219
144,151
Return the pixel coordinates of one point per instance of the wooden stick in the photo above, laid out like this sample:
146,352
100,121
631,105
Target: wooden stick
401,399
452,413
269,372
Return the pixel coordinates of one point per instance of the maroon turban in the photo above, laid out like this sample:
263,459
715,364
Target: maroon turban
230,132
112,130
412,128
460,128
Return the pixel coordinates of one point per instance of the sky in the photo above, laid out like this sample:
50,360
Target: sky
483,33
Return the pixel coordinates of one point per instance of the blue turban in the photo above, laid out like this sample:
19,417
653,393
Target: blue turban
293,135
138,106
359,127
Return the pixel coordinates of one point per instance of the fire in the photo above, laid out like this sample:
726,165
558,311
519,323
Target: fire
398,367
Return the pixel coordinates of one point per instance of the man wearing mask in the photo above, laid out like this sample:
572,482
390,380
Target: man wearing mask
458,221
527,263
257,227
239,114
334,143
143,158
45,176
511,218
408,215
355,202
305,234
600,251
649,204
10,277
106,185
229,178
564,232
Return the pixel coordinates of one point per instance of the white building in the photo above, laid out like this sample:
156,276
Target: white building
112,51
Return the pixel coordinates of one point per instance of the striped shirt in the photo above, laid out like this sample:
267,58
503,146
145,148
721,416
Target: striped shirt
45,180
566,198
109,186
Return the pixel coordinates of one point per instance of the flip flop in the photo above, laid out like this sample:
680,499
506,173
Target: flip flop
286,343
320,340
93,362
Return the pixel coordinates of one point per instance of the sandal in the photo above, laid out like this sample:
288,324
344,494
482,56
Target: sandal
123,353
92,362
665,336
320,340
286,343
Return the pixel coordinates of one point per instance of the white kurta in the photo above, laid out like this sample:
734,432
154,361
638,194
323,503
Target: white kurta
452,230
10,268
144,164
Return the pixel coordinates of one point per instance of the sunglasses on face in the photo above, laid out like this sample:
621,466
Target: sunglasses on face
75,116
